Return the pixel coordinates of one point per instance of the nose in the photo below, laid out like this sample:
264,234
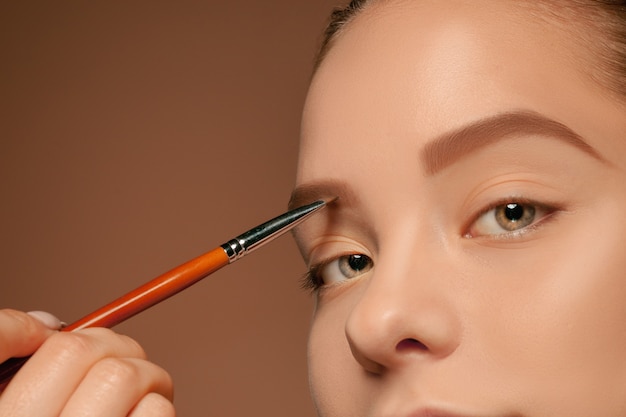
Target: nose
406,313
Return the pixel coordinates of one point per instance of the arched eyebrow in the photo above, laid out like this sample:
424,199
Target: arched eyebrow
451,146
322,190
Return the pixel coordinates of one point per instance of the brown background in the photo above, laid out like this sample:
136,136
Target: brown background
136,135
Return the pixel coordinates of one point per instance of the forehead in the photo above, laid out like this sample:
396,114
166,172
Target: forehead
415,69
442,52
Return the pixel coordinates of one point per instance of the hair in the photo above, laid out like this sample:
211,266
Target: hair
607,18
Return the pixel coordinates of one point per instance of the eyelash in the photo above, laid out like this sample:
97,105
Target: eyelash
311,280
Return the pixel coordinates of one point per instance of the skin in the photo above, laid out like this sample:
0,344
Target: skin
457,316
88,373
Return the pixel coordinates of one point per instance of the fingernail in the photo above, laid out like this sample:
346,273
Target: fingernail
47,319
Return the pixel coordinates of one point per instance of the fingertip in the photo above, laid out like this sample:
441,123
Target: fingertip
21,333
154,404
47,319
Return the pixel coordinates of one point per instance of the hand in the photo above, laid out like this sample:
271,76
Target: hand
87,373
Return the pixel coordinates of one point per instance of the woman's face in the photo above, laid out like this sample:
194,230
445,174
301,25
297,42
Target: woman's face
474,263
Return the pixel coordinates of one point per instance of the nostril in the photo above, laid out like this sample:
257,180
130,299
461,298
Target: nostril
410,344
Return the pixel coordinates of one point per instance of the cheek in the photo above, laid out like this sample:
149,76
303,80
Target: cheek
564,342
333,372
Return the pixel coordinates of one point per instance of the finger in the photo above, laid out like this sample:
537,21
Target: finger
22,333
153,405
47,319
46,382
115,386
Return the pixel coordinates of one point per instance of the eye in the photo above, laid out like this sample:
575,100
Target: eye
337,270
508,219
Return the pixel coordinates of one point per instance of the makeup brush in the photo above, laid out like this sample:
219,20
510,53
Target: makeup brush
179,278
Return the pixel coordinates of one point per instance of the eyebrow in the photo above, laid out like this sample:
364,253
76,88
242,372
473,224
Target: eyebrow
456,144
322,189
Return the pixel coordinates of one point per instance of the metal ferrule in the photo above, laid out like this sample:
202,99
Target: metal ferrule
234,249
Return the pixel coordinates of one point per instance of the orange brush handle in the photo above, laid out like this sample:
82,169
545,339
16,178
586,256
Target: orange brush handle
141,298
153,292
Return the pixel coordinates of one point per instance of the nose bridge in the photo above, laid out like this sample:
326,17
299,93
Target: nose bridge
407,310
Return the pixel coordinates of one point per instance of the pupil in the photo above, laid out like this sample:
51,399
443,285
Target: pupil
514,212
357,262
